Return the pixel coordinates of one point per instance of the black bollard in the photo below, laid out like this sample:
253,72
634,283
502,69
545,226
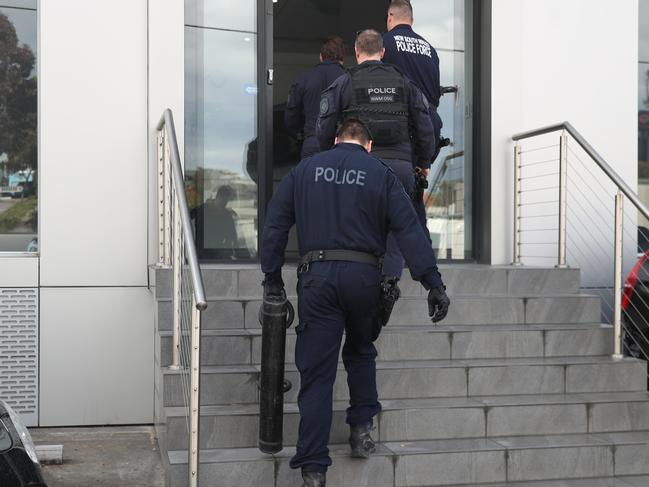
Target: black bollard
276,315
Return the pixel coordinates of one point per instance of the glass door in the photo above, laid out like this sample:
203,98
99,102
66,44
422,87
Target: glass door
300,27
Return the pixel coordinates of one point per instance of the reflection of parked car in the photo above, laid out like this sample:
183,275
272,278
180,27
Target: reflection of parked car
635,309
20,184
18,462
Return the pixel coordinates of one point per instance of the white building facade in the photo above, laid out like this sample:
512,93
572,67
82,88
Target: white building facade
78,171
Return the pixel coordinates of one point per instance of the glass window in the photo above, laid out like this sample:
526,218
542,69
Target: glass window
644,31
222,14
220,140
18,128
448,198
643,108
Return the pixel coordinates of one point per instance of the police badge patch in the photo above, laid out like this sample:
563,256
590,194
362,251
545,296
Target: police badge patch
324,106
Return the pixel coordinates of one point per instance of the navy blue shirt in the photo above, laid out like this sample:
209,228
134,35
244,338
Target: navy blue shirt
345,199
416,58
337,98
303,102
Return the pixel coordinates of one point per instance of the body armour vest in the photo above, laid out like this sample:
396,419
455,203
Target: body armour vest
380,100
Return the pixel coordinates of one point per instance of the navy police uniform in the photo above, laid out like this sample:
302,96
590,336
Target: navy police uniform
419,61
304,102
341,199
396,113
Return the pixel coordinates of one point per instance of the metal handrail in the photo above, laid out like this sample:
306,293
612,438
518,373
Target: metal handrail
599,160
443,168
167,122
176,243
622,190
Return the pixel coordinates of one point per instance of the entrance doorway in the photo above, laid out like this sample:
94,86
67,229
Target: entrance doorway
299,28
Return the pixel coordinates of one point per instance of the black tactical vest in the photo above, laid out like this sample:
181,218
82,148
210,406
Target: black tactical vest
380,100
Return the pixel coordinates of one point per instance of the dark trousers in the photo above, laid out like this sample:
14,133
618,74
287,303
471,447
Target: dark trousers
310,146
335,299
393,261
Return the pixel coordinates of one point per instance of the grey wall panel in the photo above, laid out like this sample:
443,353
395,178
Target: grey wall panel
19,271
93,142
96,356
19,351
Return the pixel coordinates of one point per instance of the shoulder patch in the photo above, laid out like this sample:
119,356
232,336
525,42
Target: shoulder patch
324,106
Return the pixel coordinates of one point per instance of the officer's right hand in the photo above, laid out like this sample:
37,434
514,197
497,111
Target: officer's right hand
273,286
438,303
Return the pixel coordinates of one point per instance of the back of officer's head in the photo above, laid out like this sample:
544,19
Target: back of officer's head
369,45
399,12
333,49
353,131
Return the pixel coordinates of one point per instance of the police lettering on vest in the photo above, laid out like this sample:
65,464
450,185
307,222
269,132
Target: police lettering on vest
340,177
381,95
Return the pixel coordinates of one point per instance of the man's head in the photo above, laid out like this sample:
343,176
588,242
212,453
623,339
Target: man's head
369,46
399,12
333,49
353,131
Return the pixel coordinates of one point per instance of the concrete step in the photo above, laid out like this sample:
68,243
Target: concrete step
434,419
238,313
243,347
454,462
225,385
237,280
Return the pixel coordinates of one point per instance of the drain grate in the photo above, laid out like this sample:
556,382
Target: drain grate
19,351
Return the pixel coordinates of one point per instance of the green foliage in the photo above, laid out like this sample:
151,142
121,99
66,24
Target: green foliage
18,100
19,214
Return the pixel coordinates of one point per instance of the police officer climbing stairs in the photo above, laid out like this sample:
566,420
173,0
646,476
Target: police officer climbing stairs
344,203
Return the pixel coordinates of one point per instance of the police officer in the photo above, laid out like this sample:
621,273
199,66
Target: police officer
304,97
413,55
395,112
418,60
344,202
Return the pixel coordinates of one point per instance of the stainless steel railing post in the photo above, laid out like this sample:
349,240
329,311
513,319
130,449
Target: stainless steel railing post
162,215
563,184
177,267
617,280
517,205
194,398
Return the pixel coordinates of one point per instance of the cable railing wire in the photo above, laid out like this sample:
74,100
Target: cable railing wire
597,230
177,251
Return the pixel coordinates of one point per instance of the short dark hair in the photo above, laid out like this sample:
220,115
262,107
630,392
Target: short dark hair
401,9
354,129
369,42
333,49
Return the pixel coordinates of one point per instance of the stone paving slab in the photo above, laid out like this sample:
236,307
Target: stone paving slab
103,456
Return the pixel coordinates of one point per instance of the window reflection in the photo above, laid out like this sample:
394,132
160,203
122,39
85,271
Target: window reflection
220,133
643,106
448,199
241,14
18,131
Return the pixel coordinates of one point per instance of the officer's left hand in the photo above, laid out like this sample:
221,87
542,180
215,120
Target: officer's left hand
438,304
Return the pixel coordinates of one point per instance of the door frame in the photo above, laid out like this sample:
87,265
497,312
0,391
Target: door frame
481,128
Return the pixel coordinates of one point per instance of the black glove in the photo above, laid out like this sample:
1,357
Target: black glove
438,303
274,285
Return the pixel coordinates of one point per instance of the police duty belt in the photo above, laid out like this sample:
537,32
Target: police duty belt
337,255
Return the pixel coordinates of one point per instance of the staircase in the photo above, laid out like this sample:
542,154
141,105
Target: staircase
517,385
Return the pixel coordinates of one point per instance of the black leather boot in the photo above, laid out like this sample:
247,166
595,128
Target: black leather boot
313,479
361,441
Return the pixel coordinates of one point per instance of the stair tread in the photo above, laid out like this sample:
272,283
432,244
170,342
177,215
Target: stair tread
244,332
434,446
623,481
424,364
439,403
